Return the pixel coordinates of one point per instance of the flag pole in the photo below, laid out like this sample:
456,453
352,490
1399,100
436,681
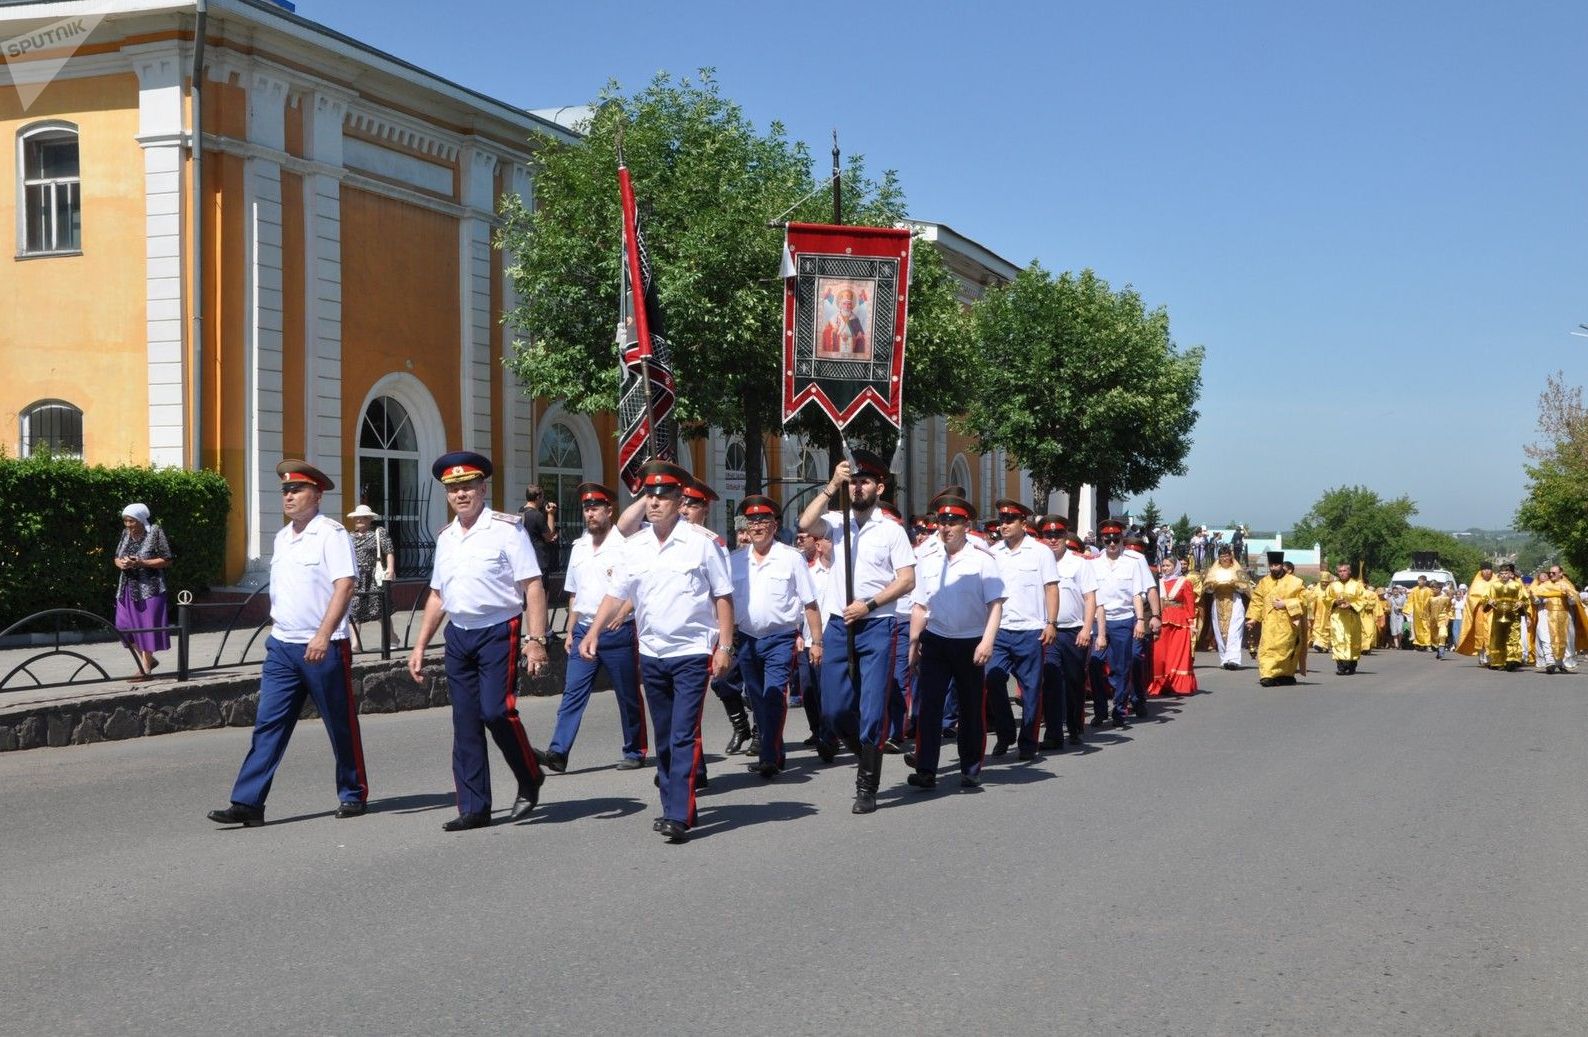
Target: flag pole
843,492
631,259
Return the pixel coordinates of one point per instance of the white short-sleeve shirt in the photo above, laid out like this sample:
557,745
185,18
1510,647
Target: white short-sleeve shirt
673,583
477,570
1027,571
1077,578
303,568
1119,580
589,576
957,590
881,548
770,594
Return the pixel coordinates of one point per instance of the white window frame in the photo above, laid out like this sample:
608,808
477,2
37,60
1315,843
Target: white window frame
26,445
28,133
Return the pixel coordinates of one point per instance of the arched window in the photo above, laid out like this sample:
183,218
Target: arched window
560,464
388,480
959,473
51,189
809,470
51,427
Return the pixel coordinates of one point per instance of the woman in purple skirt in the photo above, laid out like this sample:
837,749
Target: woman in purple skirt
140,594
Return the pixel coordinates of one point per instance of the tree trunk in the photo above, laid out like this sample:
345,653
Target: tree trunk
754,452
1074,515
1044,494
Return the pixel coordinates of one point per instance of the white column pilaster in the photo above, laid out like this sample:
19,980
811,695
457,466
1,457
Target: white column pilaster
518,428
474,297
323,114
262,320
160,134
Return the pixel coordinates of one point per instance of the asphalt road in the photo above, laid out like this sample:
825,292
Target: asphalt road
1398,852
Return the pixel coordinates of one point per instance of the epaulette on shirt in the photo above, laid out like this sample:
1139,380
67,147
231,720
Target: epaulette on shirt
502,516
715,537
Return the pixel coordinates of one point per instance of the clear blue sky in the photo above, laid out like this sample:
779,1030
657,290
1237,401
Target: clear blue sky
1370,214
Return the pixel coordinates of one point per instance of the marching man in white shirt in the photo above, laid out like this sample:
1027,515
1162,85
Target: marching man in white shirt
1030,612
953,626
678,584
772,591
1064,673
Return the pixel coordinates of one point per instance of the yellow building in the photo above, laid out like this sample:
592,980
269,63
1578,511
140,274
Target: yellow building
316,279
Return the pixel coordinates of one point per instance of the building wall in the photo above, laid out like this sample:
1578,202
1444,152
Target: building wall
73,326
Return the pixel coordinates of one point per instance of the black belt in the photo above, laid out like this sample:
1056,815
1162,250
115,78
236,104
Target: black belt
1077,627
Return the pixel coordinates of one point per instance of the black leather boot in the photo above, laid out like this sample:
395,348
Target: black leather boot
741,724
867,778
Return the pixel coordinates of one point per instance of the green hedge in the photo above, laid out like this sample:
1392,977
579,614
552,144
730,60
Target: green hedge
60,520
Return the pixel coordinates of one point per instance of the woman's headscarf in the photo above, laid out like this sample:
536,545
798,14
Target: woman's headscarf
137,511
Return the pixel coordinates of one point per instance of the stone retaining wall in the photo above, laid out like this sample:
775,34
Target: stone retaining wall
139,710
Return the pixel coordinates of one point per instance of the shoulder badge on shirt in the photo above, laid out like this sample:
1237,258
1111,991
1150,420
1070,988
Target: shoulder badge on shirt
512,520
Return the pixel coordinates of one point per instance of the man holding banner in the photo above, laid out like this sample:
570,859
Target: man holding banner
884,571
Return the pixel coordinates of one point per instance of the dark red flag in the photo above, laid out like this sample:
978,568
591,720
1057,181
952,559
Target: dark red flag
646,430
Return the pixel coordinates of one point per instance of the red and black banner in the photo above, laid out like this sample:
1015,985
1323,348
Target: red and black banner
646,392
846,291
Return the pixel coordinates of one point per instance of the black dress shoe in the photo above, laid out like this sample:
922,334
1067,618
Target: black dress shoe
1076,740
754,748
523,805
909,759
767,770
674,831
551,761
891,746
352,808
629,763
1051,743
464,822
1000,746
1267,682
237,814
656,826
922,781
1120,723
827,751
811,741
1028,754
950,731
970,781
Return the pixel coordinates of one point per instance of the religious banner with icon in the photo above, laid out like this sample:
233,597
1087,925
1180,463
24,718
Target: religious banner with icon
845,295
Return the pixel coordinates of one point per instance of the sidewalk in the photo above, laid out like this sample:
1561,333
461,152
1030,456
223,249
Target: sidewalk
110,710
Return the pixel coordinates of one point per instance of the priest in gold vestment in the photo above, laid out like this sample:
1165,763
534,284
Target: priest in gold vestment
1509,605
1346,601
1419,609
1560,617
1475,622
1278,613
1319,604
1225,590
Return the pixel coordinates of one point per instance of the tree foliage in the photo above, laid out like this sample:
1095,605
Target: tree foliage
1555,505
1082,384
707,182
1355,525
1151,517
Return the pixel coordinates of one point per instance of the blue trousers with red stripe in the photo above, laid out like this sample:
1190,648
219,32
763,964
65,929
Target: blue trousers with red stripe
1017,654
901,693
767,664
851,712
285,681
616,653
945,659
676,691
482,678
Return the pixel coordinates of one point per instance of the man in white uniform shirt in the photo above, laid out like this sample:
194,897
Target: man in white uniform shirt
312,572
486,583
1122,587
1064,668
958,605
590,565
772,593
884,571
1031,605
678,584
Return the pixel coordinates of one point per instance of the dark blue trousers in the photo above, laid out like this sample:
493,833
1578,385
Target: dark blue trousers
900,693
944,659
1064,685
767,664
857,712
616,653
676,691
482,679
811,694
1118,656
285,681
1017,654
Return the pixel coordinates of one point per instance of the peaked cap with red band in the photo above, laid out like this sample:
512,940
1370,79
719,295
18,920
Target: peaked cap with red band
293,470
1012,507
1110,525
594,492
696,490
661,477
869,464
461,466
1054,524
756,505
951,506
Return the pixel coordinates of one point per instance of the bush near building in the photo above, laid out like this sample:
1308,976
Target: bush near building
61,520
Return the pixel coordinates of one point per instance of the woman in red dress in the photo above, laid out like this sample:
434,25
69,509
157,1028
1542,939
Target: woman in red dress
1172,668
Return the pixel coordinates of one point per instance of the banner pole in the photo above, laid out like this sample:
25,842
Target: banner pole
843,492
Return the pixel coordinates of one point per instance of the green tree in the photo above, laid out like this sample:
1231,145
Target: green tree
1183,532
1355,525
1082,384
1556,503
1151,517
706,181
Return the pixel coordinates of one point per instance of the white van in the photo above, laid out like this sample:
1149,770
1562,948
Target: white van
1408,577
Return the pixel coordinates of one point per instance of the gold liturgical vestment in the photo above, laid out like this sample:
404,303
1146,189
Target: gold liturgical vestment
1418,604
1562,609
1345,601
1475,623
1318,602
1276,605
1509,604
